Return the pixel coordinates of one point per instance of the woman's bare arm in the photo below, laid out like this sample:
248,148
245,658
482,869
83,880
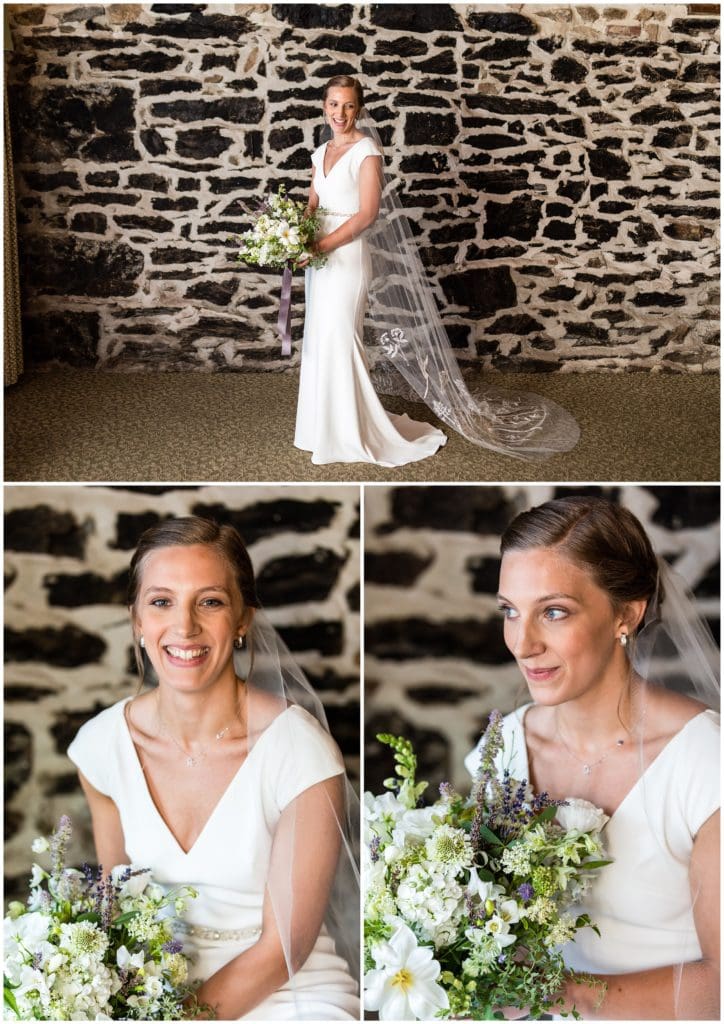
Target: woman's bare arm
689,991
107,831
303,863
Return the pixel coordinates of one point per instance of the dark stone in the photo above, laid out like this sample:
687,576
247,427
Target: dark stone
671,210
266,518
430,129
460,508
605,164
491,140
95,223
30,16
664,299
421,99
41,182
129,528
440,693
692,26
510,105
184,203
454,232
115,148
685,508
566,69
62,785
424,163
700,71
337,44
196,26
103,179
284,138
507,22
218,292
76,591
218,60
558,210
27,693
200,143
481,290
405,46
69,43
153,141
441,63
163,86
68,647
589,332
233,109
42,530
519,219
325,637
560,292
560,230
70,337
573,126
353,597
501,50
656,114
299,578
170,254
90,268
614,207
708,586
314,15
398,568
418,18
188,185
155,224
18,757
150,62
177,8
476,640
298,160
484,572
514,323
601,230
297,112
150,182
572,190
104,199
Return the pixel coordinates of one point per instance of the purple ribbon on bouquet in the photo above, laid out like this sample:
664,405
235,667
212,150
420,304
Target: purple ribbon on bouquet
284,323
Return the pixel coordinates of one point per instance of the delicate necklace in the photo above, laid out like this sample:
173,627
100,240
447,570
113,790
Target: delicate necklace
194,760
588,766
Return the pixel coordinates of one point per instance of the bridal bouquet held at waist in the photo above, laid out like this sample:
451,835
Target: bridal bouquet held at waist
91,947
469,900
282,234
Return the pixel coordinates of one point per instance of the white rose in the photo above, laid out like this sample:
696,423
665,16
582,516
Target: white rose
581,815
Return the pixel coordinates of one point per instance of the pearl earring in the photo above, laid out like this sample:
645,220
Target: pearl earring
623,639
141,641
239,642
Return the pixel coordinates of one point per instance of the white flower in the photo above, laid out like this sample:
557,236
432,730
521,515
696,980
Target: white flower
483,890
125,960
581,815
499,930
134,885
449,846
40,845
29,929
431,899
403,985
37,875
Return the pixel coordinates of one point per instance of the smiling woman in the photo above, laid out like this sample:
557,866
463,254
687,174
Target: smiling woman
224,776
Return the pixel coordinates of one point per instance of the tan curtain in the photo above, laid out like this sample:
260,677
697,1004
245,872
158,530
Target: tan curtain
13,345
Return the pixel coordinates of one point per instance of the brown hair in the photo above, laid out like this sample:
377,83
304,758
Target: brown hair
345,82
184,531
597,535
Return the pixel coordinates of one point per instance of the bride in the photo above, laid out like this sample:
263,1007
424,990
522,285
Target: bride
373,277
224,777
587,610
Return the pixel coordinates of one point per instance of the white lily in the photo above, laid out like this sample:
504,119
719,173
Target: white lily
403,985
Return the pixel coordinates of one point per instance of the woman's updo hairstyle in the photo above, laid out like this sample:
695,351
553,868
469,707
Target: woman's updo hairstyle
345,82
185,531
604,539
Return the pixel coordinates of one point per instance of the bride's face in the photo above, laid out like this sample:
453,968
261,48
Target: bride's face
560,626
189,612
341,110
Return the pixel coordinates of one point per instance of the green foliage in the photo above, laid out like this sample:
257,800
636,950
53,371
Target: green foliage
408,791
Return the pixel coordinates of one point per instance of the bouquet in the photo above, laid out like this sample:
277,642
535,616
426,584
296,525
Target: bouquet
283,233
89,947
468,900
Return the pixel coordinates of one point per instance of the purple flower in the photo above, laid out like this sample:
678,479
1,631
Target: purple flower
172,946
526,891
501,958
375,849
446,790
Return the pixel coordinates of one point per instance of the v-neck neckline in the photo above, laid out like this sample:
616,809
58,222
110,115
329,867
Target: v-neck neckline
152,803
325,174
629,793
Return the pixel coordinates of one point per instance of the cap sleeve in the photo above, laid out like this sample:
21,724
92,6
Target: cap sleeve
310,755
92,749
318,156
363,149
698,772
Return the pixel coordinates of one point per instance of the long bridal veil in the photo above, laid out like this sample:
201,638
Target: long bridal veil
404,324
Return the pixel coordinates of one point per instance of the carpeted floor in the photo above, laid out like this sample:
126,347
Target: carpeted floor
89,425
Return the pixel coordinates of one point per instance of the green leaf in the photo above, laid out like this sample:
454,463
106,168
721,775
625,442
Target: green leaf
89,916
490,836
546,815
591,865
9,998
128,916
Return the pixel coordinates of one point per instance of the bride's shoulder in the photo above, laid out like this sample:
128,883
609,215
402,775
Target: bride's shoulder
670,713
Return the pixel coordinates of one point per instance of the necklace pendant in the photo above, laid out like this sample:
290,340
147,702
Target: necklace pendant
190,762
587,769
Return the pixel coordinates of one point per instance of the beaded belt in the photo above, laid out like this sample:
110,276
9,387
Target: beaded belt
331,213
225,934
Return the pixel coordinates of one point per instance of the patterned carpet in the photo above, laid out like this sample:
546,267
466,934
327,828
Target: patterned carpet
88,425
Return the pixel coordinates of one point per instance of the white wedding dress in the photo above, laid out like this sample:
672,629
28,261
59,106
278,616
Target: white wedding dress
339,416
642,901
228,862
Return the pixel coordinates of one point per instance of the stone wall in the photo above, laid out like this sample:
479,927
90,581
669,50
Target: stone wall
68,643
560,164
435,661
